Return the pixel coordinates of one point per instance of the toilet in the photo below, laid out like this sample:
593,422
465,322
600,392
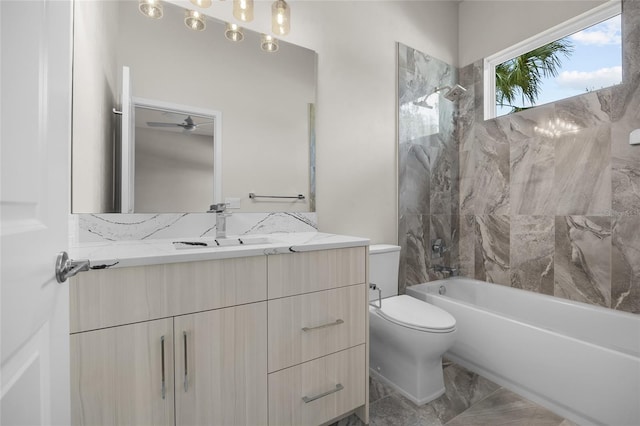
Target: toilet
407,336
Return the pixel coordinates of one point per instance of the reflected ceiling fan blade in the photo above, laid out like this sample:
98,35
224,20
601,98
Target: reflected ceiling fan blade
157,124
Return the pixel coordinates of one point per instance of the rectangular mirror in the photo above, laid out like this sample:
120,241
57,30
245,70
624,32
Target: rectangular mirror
265,104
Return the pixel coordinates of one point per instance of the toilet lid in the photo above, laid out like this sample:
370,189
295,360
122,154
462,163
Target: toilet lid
411,312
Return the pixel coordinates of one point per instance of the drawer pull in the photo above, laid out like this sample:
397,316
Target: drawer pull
331,324
307,399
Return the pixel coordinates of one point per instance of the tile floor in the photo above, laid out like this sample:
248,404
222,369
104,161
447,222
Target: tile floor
470,400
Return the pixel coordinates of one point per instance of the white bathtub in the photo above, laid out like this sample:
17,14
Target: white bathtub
578,360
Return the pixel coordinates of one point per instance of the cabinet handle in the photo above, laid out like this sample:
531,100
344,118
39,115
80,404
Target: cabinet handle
307,399
162,361
331,324
186,370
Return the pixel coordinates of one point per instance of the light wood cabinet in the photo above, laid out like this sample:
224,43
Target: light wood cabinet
317,391
123,375
111,297
318,336
221,368
299,273
312,325
243,341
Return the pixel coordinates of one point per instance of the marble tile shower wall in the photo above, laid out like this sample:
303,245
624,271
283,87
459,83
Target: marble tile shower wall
428,166
555,214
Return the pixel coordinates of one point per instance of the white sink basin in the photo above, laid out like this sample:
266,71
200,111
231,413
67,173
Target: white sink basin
196,243
255,240
228,242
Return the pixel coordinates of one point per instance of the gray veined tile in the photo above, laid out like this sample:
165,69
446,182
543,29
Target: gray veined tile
582,263
626,161
506,408
415,253
378,390
443,159
524,124
443,228
463,389
394,410
625,266
631,39
531,253
466,246
466,182
583,111
583,172
532,175
492,249
414,179
490,193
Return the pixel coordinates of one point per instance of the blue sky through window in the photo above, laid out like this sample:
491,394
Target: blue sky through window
596,62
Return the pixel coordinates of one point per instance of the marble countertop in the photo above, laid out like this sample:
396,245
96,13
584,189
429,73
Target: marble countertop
120,254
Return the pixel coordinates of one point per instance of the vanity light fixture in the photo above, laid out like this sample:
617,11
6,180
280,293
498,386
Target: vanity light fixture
269,44
194,20
202,3
280,16
233,32
150,8
243,10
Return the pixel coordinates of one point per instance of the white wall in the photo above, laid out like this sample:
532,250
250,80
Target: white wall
487,27
173,169
94,94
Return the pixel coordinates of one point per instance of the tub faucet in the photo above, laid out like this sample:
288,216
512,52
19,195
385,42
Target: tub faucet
221,219
453,272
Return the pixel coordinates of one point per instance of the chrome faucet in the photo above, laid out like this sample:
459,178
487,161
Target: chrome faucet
221,219
438,248
453,272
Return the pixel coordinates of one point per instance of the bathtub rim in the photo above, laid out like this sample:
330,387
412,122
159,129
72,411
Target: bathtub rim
630,352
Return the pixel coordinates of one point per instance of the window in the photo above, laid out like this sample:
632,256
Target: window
578,56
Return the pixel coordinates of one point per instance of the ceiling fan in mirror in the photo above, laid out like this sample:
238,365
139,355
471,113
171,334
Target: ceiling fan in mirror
188,125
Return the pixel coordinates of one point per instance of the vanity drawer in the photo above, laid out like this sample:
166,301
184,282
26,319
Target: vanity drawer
312,325
319,390
111,297
298,273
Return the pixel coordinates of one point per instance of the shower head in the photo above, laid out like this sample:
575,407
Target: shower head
453,93
423,103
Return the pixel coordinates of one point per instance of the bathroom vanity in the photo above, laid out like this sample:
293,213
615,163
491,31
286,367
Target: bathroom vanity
273,334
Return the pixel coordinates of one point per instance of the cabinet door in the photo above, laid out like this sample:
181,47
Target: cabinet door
221,366
123,375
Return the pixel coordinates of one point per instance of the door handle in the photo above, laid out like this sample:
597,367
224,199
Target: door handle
186,370
164,388
66,268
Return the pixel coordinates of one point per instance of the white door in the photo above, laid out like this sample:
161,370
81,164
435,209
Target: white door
34,206
128,151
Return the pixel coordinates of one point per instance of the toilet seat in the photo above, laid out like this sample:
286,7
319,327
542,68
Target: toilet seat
410,312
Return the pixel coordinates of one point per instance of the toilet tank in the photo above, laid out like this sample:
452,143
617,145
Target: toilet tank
384,262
